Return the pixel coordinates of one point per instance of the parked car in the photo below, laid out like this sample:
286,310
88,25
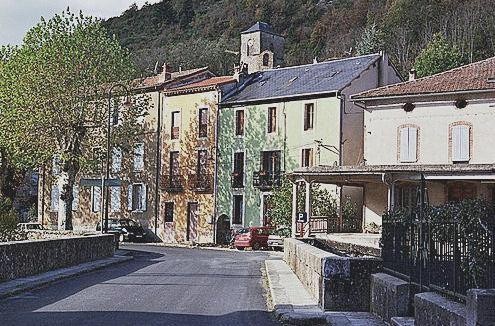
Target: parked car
255,237
276,239
30,226
128,230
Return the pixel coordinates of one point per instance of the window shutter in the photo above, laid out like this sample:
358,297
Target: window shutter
403,144
75,201
96,200
129,198
115,199
413,143
55,195
116,160
460,143
139,157
143,197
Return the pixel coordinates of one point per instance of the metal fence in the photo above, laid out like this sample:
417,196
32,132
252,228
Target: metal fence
326,224
440,255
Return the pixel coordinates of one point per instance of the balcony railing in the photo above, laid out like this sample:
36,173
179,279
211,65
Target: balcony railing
173,183
267,180
201,182
238,180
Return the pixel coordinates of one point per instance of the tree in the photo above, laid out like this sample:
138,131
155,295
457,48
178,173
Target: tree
438,56
52,98
371,40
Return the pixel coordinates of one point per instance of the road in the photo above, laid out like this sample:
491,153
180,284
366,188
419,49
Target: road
160,286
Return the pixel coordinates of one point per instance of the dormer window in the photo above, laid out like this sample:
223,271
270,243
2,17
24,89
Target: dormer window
250,44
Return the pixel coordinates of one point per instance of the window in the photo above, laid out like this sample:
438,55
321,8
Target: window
115,199
238,176
307,157
266,59
238,209
116,160
460,143
309,113
136,197
169,212
175,125
239,122
272,120
55,196
408,143
56,165
202,167
139,157
270,162
174,163
203,122
459,191
96,199
75,196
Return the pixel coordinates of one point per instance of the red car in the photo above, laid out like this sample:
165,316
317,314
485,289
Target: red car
255,237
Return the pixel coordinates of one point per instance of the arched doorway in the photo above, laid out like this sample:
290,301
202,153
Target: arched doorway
223,230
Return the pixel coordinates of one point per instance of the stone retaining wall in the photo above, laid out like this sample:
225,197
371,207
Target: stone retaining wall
24,258
338,283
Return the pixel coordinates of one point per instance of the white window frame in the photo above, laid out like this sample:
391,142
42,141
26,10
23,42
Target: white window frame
304,116
175,123
277,116
408,144
460,143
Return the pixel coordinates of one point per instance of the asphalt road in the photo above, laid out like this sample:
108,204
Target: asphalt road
161,286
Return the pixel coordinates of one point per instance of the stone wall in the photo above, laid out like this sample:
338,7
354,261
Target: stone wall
338,283
24,258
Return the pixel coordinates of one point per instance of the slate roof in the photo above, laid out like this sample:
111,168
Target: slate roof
260,27
472,77
317,78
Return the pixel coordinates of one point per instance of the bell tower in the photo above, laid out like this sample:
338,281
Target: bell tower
261,48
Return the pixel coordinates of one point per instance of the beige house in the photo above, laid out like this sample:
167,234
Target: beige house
134,191
437,129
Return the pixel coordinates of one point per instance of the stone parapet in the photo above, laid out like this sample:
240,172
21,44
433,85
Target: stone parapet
480,310
389,296
433,309
25,258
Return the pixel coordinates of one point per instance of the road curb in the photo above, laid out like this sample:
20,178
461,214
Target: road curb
24,284
286,312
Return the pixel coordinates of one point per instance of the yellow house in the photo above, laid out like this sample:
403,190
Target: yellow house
188,171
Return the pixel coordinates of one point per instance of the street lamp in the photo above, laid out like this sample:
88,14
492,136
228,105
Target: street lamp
106,194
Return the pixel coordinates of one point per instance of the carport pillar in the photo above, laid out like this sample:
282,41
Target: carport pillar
294,209
307,208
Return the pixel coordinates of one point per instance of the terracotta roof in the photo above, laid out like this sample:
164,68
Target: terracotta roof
158,80
472,77
203,84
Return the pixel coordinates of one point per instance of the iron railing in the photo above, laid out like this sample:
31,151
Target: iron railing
327,224
266,180
440,255
201,182
173,183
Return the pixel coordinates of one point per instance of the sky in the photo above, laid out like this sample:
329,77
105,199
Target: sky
18,16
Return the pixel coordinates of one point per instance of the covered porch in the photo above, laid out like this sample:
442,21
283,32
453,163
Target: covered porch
385,187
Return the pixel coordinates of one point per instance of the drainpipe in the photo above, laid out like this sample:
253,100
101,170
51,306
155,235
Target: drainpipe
341,131
285,137
215,177
158,162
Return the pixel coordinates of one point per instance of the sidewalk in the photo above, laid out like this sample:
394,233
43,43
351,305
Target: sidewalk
295,306
19,285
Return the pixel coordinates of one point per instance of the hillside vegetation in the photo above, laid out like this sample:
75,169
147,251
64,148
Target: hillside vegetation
194,33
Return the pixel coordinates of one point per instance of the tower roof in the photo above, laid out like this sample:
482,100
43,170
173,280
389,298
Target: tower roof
260,27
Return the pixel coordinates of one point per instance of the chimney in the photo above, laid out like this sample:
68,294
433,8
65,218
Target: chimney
240,73
412,74
167,71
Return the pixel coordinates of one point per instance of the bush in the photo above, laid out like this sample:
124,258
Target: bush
8,222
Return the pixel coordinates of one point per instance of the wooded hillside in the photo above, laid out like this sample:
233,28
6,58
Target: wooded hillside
196,33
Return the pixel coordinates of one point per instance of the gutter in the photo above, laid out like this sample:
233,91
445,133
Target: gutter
215,177
158,162
392,97
279,98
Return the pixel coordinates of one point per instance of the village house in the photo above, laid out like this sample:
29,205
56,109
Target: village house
189,160
279,119
135,178
436,131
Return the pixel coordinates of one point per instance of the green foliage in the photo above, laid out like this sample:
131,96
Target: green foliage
8,222
280,212
323,29
437,57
